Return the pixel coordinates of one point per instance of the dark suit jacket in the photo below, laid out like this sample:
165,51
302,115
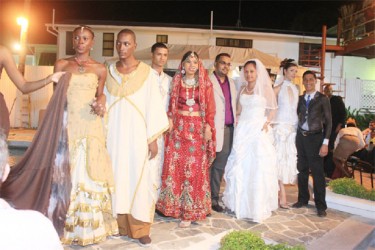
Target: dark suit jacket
319,113
338,111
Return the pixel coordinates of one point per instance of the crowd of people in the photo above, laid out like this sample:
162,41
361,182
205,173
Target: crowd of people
121,140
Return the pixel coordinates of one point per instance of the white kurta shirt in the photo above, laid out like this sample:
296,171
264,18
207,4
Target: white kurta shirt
164,84
133,121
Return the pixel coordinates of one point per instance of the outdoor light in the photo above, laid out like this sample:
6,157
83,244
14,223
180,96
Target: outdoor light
23,22
17,46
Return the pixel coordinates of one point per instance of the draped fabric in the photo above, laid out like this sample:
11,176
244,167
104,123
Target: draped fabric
136,117
4,116
206,104
185,191
29,184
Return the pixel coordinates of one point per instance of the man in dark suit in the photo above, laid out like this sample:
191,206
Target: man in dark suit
338,113
314,115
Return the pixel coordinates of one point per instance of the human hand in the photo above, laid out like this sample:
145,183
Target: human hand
207,133
152,149
323,150
98,105
55,77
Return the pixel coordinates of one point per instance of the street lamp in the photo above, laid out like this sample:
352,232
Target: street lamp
24,23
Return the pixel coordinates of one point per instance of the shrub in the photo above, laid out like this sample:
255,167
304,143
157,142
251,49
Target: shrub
350,187
244,240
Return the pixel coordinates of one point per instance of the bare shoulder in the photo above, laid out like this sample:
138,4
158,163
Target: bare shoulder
61,64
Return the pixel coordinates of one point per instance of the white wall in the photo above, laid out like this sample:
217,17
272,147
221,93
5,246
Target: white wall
38,99
359,67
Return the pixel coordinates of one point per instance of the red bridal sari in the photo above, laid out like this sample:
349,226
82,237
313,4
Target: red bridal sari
185,191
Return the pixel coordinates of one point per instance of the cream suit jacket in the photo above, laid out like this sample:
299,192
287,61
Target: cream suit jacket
220,109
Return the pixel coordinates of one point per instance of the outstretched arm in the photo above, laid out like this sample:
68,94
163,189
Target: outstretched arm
24,86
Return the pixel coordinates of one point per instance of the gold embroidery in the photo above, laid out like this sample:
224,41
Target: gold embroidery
130,82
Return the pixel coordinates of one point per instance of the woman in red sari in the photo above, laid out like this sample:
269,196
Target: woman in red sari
190,144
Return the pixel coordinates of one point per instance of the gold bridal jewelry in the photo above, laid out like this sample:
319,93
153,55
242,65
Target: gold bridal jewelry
81,65
190,82
190,102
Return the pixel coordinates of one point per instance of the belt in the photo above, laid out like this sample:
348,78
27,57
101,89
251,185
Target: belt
309,132
228,126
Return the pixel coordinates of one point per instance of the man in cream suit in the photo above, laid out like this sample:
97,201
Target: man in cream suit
225,100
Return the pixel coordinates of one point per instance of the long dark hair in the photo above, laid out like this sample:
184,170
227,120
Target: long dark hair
187,54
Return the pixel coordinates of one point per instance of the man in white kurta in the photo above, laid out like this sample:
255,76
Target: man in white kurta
159,57
136,117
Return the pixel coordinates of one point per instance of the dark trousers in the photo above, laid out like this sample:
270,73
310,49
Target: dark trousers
218,166
308,159
329,165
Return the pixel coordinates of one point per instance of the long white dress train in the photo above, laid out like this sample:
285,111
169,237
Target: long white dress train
251,189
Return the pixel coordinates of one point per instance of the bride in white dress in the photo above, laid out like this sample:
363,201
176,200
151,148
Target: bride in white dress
251,189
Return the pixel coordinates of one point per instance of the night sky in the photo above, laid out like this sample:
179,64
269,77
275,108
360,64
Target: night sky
306,16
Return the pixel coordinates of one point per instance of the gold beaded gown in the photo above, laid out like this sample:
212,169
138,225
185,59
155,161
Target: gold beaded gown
89,217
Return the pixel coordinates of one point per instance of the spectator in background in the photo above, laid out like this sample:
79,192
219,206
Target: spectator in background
338,113
23,229
348,141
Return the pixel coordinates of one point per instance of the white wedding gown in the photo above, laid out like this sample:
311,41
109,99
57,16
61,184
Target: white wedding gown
251,189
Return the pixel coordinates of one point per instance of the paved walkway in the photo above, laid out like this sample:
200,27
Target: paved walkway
293,226
301,226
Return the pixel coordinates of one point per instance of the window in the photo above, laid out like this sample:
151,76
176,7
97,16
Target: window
108,44
162,38
69,43
230,42
309,54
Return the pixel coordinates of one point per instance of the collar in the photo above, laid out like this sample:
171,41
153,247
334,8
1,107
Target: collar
157,73
311,95
218,79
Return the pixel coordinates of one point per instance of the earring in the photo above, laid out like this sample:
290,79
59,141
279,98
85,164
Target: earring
183,71
91,48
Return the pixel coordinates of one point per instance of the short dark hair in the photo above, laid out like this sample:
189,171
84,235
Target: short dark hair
127,31
158,45
309,72
220,55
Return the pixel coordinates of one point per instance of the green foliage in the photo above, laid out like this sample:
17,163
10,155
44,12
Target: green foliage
350,187
362,117
244,240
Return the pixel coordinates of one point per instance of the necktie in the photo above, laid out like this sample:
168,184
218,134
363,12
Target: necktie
308,101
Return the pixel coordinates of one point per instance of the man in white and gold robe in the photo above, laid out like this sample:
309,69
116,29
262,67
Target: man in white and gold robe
136,117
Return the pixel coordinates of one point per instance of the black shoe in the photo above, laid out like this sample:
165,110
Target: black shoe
145,241
217,208
299,204
322,213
